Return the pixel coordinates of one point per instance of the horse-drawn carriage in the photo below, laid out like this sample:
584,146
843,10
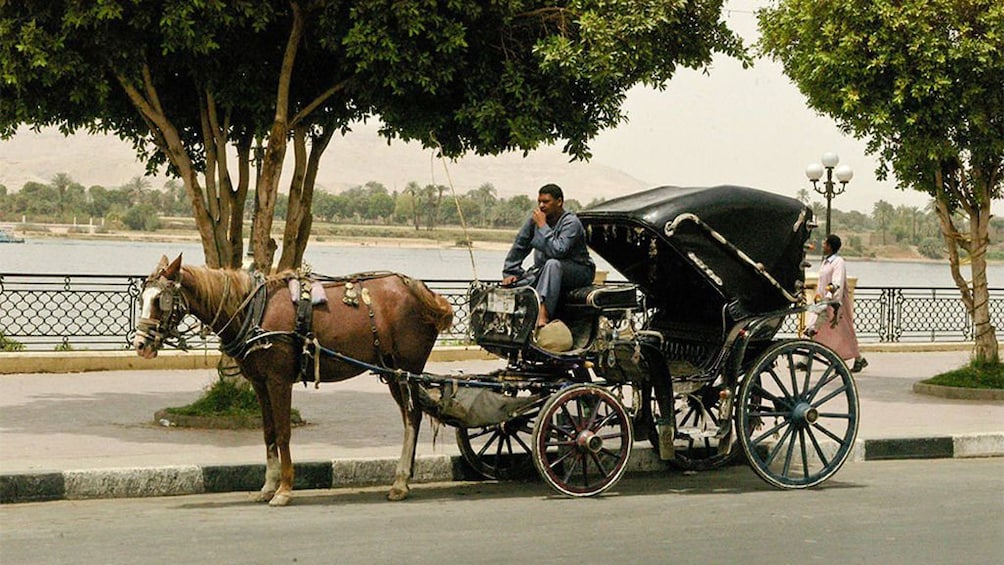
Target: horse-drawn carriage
684,354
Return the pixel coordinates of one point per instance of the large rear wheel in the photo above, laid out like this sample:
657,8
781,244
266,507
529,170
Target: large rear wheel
582,440
797,414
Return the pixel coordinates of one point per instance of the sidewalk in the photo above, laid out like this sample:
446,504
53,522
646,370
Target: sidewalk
85,435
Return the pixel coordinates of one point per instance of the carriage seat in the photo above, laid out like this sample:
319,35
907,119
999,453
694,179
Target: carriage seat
602,297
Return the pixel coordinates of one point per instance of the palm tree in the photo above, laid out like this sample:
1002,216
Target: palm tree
883,213
486,195
61,182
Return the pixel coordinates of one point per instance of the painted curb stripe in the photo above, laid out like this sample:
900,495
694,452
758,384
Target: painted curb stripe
911,448
182,480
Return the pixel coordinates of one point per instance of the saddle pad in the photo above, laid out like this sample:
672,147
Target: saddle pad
317,295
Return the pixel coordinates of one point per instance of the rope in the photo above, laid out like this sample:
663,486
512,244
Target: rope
456,201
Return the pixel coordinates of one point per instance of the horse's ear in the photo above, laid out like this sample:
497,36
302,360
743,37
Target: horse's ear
174,269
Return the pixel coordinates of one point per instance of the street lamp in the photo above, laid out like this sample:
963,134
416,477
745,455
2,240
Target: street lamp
829,189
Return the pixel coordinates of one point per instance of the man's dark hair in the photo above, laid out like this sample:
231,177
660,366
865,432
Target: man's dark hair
834,241
553,190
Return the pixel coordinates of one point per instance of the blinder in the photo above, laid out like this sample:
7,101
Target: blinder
173,309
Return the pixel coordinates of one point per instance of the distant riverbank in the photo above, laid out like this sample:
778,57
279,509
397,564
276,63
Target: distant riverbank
395,236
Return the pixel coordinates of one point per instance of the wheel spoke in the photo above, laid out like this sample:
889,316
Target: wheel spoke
786,469
570,468
777,448
830,396
826,378
818,448
599,464
522,444
791,375
764,393
769,432
484,448
805,455
777,381
828,433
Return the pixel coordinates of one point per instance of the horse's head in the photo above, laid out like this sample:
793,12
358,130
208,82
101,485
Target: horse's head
163,308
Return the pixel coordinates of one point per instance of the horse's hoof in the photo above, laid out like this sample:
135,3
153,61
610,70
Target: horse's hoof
396,494
281,499
262,496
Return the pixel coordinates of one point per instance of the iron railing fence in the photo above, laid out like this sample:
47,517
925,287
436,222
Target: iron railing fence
46,312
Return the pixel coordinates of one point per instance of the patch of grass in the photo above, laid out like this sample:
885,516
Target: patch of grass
7,344
974,375
226,398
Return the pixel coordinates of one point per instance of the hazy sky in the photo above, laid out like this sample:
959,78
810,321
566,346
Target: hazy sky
732,126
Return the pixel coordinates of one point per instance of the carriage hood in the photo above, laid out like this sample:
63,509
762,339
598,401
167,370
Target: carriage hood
694,249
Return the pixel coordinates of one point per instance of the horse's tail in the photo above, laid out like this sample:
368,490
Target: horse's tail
438,310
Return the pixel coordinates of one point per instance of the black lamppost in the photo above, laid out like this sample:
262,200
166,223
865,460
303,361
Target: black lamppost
829,189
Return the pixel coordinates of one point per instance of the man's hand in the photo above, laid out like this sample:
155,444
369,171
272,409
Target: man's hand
539,217
509,281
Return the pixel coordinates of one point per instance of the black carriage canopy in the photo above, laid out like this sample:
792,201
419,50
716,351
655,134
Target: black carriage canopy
692,250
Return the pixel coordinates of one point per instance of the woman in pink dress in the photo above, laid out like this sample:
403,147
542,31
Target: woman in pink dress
834,327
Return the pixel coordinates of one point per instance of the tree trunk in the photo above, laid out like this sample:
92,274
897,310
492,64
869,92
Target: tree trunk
976,297
986,350
301,195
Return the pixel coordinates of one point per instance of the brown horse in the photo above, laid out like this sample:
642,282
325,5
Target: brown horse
381,319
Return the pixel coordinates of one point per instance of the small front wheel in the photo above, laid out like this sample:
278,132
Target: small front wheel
797,414
582,440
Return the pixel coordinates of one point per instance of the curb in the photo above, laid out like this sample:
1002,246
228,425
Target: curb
958,393
340,473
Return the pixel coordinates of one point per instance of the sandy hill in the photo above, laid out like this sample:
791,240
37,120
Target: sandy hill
353,160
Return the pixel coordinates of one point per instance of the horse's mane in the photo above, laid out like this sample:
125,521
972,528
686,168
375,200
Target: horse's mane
210,286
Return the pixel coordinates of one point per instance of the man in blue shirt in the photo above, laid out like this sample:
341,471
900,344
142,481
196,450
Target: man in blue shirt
561,259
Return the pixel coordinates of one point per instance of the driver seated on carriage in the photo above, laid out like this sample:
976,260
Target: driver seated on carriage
561,260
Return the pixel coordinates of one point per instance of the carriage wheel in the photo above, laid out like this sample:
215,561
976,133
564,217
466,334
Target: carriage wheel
582,440
502,451
698,417
797,414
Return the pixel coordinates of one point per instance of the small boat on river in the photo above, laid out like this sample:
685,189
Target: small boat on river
7,236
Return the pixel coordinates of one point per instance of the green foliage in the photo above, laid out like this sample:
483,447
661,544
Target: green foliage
229,398
223,397
142,218
923,80
932,248
974,375
7,344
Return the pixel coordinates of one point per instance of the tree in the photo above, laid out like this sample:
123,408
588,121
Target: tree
486,196
190,82
883,213
923,81
802,196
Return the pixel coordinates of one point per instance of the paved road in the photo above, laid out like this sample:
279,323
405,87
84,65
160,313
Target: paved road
934,511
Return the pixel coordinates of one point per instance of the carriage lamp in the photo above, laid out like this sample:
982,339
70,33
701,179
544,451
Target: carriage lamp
829,189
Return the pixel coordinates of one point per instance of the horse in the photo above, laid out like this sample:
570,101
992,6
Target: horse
384,320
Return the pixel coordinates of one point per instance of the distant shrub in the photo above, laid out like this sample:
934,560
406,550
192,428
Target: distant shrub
142,218
931,248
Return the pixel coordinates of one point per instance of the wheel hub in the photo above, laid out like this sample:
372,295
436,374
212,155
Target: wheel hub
804,414
588,441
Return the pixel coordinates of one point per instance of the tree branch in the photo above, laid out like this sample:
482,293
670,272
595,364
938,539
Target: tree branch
337,87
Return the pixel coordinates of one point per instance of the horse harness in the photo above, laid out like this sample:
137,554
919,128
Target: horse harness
306,292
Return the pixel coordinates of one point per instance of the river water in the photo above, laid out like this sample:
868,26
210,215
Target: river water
70,256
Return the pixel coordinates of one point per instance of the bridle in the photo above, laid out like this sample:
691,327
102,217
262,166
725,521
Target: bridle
173,307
